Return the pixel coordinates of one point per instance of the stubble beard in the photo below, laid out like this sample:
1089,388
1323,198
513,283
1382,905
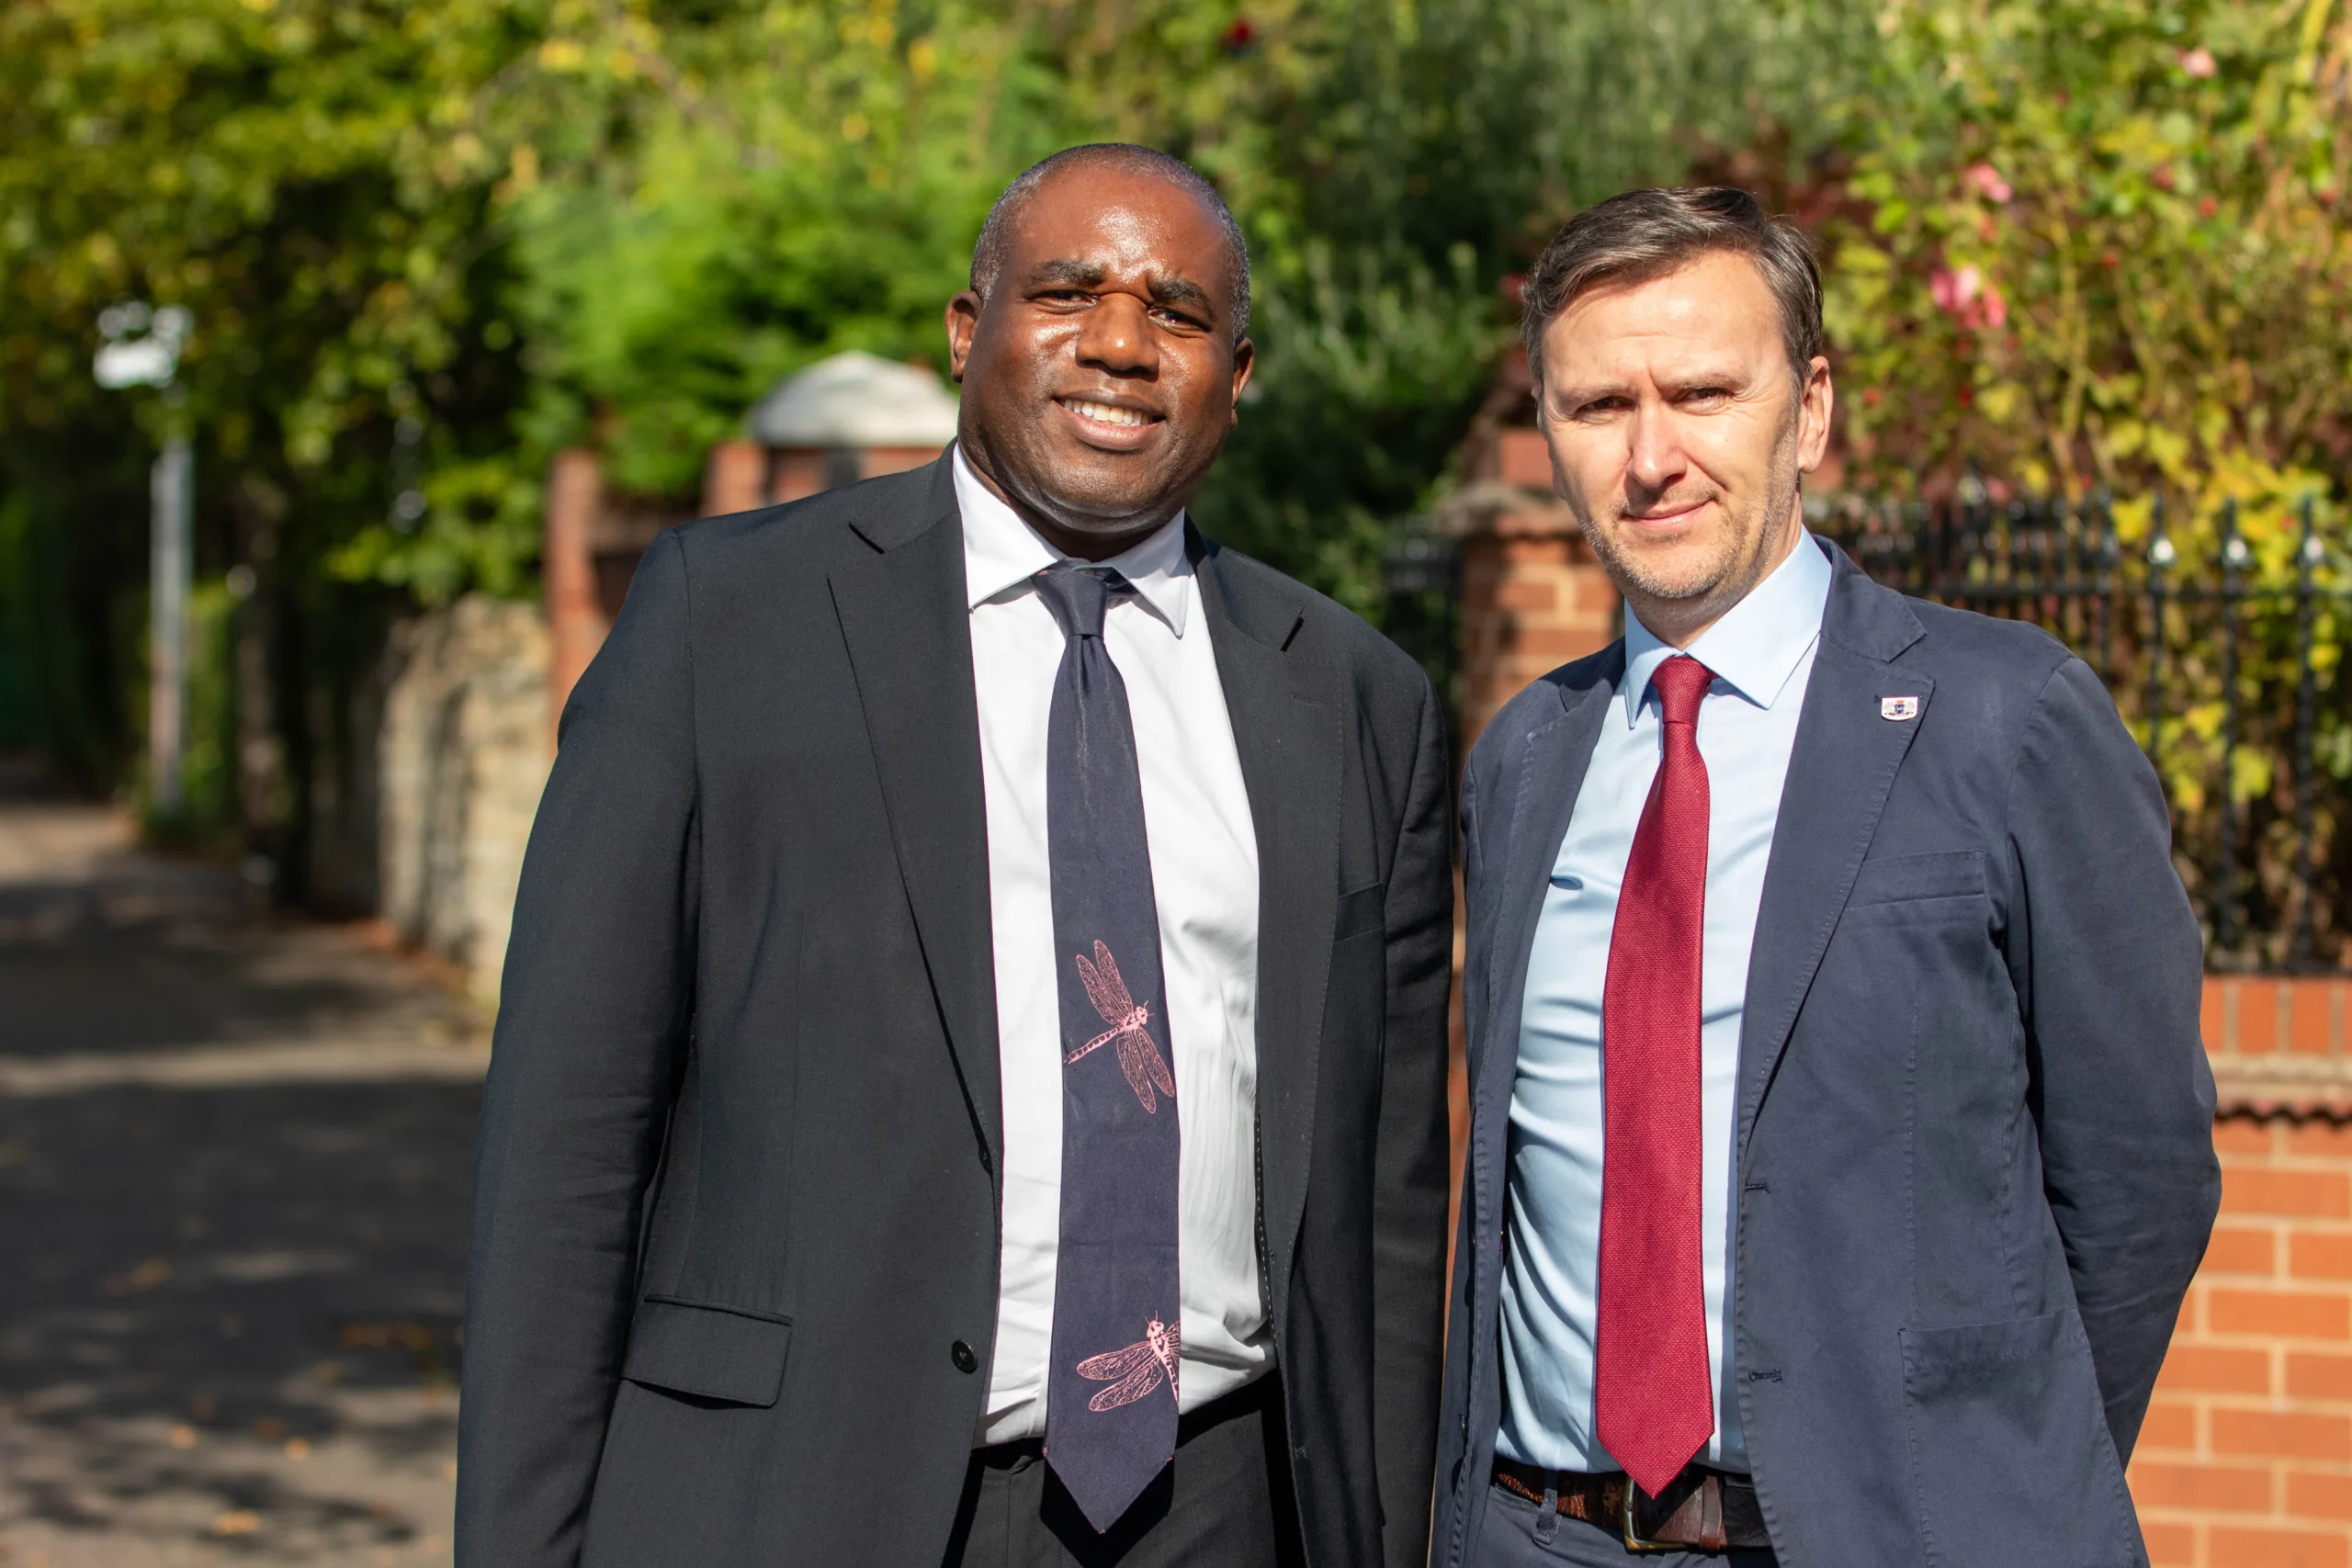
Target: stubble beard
1740,560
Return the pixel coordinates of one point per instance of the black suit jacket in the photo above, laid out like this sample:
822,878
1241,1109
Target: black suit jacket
1975,1123
734,1270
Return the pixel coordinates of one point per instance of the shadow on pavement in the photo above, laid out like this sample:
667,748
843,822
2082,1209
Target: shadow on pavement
228,1310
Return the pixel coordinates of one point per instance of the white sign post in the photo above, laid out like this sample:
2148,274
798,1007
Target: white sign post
143,349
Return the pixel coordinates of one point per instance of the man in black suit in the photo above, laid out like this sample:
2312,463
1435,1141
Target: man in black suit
970,1081
1842,1141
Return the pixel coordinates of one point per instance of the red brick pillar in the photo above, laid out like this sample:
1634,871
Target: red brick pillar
799,473
734,478
1533,599
576,623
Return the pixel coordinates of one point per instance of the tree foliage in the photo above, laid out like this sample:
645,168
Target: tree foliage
806,177
427,244
311,181
2103,243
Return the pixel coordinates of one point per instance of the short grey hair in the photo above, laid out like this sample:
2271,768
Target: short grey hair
996,234
1644,234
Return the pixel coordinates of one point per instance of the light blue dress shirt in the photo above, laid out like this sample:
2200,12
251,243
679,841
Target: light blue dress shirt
1761,653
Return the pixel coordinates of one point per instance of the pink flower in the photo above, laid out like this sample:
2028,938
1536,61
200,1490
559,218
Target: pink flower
1987,179
2199,61
1954,291
1965,295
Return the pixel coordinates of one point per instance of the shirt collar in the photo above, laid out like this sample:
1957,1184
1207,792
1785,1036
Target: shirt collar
1001,553
1759,643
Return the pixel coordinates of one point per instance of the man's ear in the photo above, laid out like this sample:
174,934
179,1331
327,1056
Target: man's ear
1815,406
1244,359
963,320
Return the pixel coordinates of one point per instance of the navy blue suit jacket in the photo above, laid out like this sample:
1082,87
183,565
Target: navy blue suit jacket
1975,1151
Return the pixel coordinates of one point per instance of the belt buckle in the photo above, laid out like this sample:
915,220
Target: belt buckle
1634,1539
1632,1535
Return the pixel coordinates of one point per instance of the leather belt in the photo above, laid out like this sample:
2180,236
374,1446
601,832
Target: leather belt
1703,1510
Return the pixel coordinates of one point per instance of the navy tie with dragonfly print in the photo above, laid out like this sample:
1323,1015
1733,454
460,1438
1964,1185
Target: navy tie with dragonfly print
1111,1394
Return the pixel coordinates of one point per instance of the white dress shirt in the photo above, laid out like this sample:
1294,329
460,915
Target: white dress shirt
1761,653
1204,883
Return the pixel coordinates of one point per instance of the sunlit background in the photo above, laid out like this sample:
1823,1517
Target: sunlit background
350,352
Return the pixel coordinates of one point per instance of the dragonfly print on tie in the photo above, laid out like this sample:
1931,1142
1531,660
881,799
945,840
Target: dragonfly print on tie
1137,1369
1130,1023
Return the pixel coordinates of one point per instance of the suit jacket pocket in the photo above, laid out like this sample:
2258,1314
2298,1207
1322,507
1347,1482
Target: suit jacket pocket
1360,911
2010,1453
1902,879
710,1351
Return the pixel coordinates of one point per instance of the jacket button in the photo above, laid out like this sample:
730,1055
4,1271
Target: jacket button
961,1354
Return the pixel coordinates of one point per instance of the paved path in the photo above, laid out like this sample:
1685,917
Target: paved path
234,1156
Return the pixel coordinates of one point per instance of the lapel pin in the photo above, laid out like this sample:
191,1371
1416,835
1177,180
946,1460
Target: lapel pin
1897,709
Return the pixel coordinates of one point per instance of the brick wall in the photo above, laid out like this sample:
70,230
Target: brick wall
2246,1458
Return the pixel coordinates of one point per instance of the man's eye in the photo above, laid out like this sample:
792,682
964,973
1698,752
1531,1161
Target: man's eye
1178,318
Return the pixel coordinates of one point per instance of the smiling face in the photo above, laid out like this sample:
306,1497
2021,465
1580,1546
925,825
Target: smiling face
1678,436
1099,375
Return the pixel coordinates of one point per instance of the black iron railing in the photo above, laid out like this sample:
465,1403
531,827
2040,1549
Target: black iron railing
1421,604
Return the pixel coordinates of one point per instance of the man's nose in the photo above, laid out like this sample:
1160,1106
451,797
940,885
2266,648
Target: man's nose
1654,458
1117,337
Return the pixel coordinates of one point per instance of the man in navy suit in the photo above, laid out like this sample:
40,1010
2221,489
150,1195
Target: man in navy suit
1842,1141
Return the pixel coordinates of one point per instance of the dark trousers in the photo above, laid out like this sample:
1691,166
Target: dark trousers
1225,1501
1516,1534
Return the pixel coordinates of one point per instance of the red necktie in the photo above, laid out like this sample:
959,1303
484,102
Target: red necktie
1652,1398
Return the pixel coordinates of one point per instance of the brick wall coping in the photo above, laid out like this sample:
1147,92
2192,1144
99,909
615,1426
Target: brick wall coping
2280,1044
1494,506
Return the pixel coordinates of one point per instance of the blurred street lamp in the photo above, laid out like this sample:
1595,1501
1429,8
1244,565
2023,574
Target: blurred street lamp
141,348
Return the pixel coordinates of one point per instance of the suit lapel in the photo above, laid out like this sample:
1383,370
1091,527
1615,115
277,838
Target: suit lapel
1539,796
1843,765
903,615
1286,717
